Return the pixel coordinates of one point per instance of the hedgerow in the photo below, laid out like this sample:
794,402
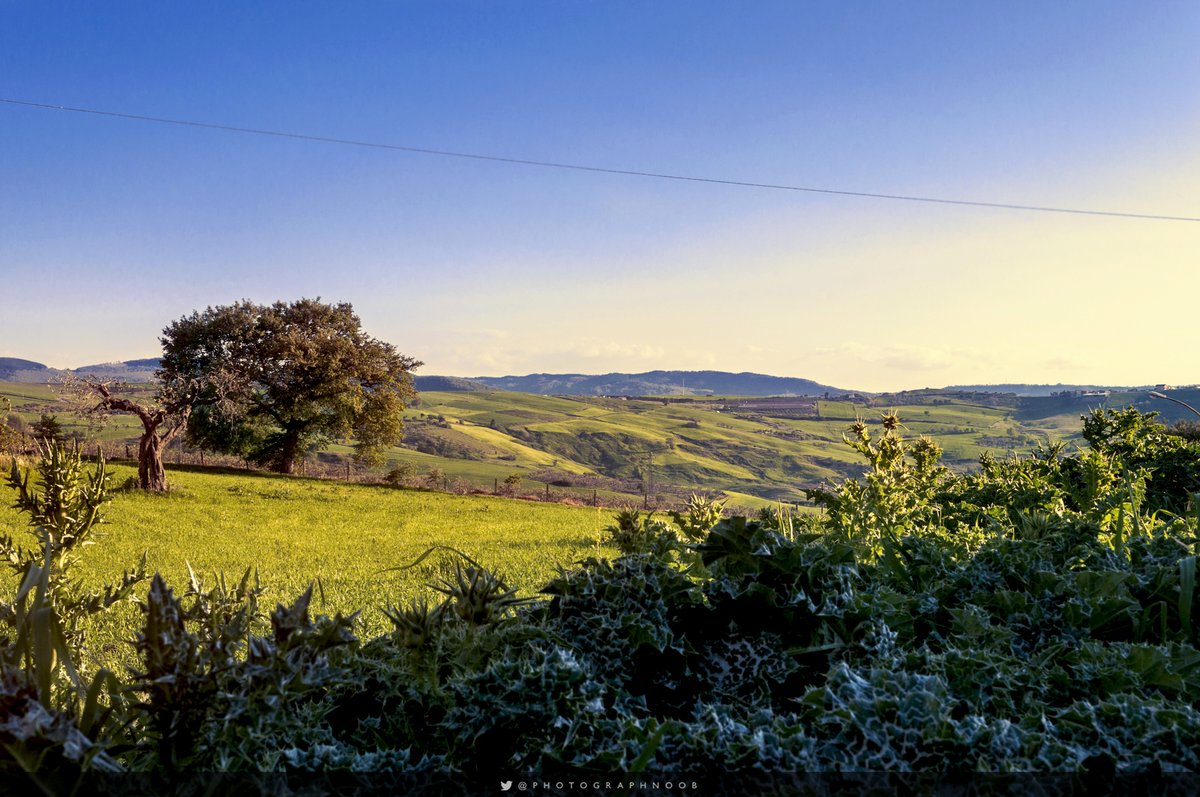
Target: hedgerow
1039,614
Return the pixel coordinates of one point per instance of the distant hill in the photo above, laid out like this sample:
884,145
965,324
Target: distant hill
143,371
13,369
28,371
1022,389
127,371
16,370
447,384
659,383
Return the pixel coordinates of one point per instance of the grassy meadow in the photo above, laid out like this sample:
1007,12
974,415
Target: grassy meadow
346,537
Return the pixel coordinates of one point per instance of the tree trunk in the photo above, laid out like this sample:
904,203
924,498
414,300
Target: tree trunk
151,473
289,452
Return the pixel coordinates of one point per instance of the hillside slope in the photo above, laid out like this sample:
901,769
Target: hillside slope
126,371
1030,390
14,369
446,384
754,451
659,383
764,449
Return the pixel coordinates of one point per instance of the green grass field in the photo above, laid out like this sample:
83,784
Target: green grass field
348,537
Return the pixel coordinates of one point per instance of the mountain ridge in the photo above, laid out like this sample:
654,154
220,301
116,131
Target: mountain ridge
660,383
617,383
1030,389
14,369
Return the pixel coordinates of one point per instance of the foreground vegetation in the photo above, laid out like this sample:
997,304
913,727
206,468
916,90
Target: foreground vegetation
1039,615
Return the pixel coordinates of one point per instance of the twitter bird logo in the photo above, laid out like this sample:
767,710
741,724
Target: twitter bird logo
505,785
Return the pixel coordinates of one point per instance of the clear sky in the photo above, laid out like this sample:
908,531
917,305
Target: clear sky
112,228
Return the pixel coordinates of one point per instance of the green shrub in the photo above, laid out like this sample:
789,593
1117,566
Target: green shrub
400,474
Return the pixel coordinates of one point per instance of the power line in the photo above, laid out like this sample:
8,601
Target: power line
598,169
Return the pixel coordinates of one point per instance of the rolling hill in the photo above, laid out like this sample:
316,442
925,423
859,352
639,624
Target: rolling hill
753,449
13,369
651,383
659,383
127,371
447,384
1023,389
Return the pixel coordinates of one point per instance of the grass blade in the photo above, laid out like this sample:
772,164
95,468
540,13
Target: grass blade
644,758
1187,591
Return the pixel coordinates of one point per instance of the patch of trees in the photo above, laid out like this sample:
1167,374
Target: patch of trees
423,440
46,429
993,441
12,427
268,383
1188,430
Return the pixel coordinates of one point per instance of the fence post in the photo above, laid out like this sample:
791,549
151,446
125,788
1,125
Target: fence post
547,491
594,502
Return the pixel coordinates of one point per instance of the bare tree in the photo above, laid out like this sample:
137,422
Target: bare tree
163,418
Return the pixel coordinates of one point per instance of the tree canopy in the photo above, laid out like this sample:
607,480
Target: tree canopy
280,379
47,429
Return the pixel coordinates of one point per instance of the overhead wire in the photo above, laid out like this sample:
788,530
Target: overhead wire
594,169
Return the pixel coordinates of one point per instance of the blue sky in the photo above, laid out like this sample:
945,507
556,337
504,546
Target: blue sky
112,228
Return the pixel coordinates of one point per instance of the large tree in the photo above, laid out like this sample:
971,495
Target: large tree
287,377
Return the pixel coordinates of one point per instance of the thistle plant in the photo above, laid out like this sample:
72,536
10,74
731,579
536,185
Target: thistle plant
64,506
416,625
895,495
40,652
634,533
478,596
699,516
473,593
